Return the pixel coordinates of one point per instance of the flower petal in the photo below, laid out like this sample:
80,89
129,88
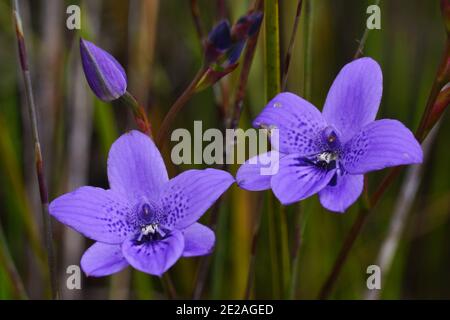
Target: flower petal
354,97
298,122
135,166
198,240
342,195
99,214
383,143
297,179
154,257
255,173
103,259
187,196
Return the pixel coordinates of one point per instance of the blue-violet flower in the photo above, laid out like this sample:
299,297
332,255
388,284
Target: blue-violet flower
144,220
328,153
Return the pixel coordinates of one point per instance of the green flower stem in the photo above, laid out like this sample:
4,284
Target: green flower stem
272,49
139,113
195,12
300,222
272,88
169,288
275,268
298,236
178,106
360,50
255,238
285,256
307,76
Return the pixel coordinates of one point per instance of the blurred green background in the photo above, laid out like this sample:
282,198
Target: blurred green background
157,43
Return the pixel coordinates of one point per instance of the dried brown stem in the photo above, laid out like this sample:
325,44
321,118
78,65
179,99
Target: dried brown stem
195,11
37,149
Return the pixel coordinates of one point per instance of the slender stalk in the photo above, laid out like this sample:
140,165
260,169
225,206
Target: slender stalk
275,269
220,89
168,286
287,60
243,77
441,79
307,75
37,149
221,9
298,235
272,88
233,122
285,256
425,126
119,285
202,274
195,11
13,276
271,49
178,106
139,113
255,238
359,51
299,224
342,257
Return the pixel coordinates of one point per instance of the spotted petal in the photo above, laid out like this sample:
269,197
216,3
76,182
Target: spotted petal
255,173
198,240
135,166
354,97
343,194
298,179
103,259
298,122
154,257
99,214
380,144
187,196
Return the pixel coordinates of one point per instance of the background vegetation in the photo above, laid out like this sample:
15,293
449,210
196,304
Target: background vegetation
158,44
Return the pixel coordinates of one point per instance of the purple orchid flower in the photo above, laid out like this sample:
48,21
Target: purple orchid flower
144,220
104,74
328,153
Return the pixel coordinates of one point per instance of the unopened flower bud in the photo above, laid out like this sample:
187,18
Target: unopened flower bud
219,40
104,74
246,26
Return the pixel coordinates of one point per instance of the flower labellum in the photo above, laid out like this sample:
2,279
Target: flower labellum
104,74
329,152
144,219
